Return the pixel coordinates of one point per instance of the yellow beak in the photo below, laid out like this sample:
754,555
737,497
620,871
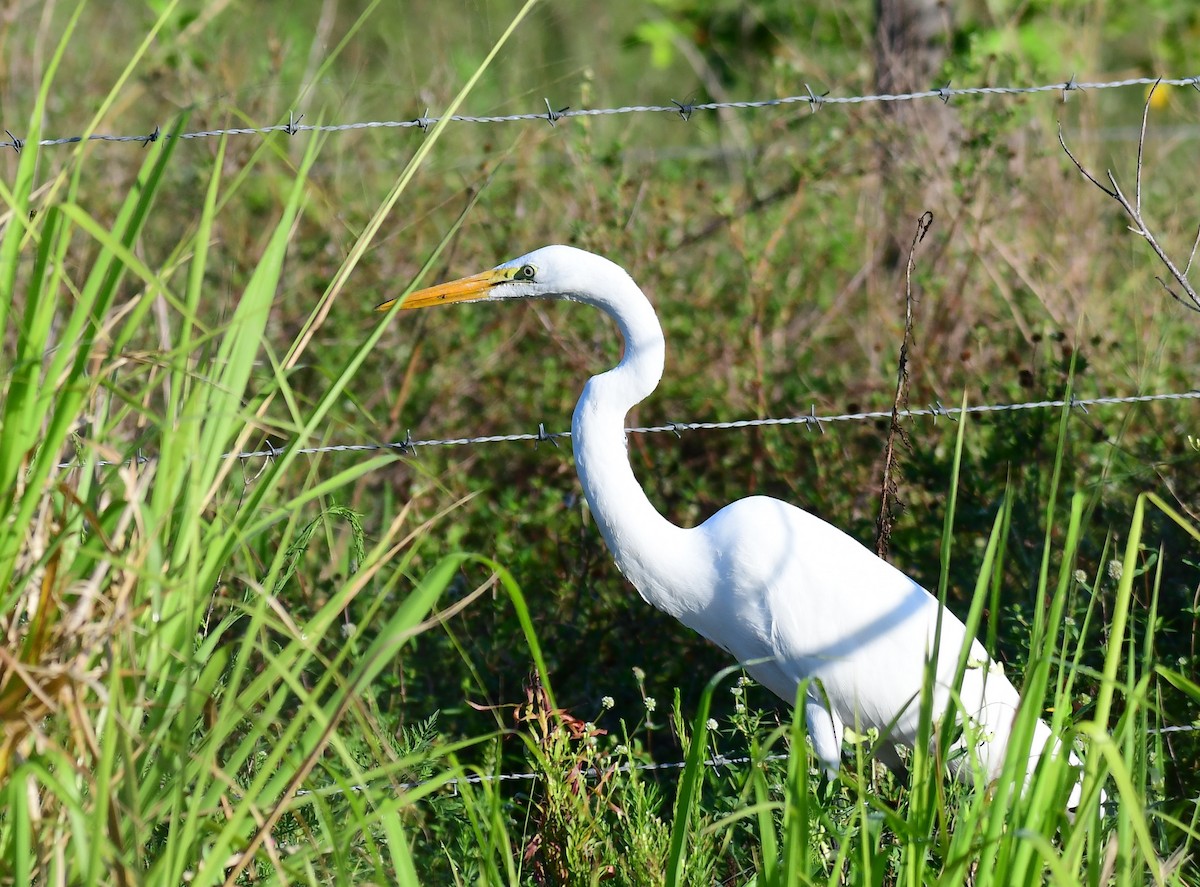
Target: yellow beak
465,289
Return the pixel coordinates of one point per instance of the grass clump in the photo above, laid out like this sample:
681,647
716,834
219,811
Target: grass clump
166,718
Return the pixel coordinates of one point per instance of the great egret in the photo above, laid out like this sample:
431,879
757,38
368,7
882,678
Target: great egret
783,592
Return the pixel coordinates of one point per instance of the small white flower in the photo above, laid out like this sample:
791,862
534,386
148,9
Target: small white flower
1081,577
651,703
348,629
740,708
638,674
1115,570
621,750
711,723
607,702
589,727
736,691
591,740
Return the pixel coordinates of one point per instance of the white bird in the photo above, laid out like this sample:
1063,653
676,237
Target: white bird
783,592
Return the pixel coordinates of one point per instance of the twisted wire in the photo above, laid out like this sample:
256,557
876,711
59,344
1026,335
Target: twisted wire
685,110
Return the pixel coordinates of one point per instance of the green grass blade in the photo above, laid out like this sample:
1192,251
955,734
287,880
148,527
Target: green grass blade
690,780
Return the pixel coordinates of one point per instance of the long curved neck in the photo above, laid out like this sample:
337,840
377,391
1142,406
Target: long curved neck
632,528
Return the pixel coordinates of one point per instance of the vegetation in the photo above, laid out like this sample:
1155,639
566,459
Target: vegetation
310,668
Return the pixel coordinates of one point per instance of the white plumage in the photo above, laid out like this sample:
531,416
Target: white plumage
780,590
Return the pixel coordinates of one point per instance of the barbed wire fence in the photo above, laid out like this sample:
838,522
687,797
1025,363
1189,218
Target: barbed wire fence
685,110
812,421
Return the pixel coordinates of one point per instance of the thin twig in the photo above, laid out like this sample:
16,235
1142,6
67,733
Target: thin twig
889,505
1079,166
1134,211
1141,147
1192,254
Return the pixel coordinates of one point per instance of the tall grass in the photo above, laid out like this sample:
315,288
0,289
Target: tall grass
162,712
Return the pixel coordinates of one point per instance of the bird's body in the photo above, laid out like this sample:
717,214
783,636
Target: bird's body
783,592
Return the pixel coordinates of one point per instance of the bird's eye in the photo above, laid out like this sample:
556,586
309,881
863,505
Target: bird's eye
526,272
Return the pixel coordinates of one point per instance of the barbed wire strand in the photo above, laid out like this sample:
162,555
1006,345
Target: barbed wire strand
714,763
685,110
810,420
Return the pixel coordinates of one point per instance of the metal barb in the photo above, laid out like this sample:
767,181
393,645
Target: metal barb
1196,83
813,419
542,435
17,144
675,426
1076,404
292,124
815,101
552,116
405,446
1175,728
944,93
424,121
272,450
1071,85
685,110
153,137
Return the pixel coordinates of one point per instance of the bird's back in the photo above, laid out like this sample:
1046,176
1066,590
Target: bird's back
797,598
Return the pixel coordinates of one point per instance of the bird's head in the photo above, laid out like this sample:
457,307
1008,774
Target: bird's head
552,272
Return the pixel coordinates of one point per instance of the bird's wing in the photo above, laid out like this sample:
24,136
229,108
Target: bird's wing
796,590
